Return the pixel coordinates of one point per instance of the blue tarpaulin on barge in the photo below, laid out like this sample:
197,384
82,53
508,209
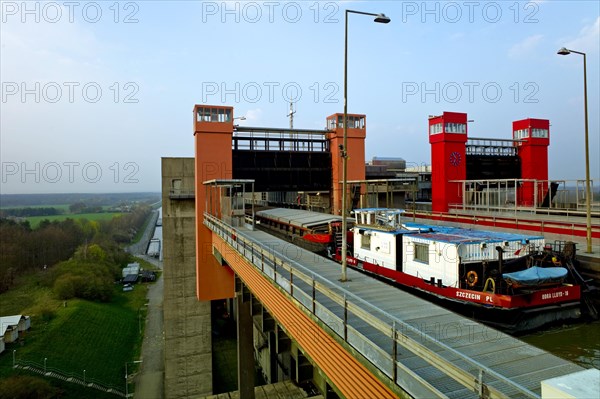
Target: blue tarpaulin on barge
536,276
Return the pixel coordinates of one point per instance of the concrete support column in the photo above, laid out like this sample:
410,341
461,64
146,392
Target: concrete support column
245,350
273,358
283,346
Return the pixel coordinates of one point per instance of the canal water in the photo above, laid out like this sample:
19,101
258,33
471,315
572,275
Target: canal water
578,343
157,234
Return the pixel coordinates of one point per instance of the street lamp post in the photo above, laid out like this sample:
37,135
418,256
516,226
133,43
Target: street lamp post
588,190
380,18
45,359
84,377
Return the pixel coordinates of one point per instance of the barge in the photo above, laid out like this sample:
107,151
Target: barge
515,282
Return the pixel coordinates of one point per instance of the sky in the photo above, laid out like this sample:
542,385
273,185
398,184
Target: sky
95,93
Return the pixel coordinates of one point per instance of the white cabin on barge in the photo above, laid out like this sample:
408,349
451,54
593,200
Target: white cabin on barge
439,254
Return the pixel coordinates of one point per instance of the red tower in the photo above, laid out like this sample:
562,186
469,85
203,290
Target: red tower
213,130
534,136
448,137
357,131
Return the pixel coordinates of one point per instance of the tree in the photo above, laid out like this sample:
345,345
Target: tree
77,207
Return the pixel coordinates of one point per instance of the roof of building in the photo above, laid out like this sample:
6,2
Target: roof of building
298,218
130,278
461,235
8,321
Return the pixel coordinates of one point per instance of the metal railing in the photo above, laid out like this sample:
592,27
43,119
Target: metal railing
269,143
74,378
493,147
182,194
374,333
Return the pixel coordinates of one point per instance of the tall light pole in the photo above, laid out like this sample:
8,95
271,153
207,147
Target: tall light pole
380,18
588,190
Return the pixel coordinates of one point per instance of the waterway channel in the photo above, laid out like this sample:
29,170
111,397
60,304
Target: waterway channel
579,343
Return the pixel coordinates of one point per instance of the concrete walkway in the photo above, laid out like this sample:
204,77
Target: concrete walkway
141,246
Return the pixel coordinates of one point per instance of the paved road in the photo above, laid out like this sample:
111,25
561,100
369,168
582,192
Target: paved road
141,246
149,383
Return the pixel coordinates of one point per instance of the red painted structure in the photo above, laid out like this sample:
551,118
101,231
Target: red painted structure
448,138
533,152
357,132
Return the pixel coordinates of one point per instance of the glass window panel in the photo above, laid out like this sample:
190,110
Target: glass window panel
422,253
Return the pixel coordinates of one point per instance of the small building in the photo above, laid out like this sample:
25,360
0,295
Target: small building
1,343
131,268
130,279
11,326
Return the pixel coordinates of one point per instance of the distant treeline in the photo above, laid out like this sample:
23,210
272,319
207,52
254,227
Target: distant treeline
23,200
23,249
26,212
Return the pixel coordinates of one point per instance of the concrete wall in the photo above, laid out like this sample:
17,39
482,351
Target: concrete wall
188,358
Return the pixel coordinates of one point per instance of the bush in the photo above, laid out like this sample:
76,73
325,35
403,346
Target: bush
27,387
66,286
47,313
85,279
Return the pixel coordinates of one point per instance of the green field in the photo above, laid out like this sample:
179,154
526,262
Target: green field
34,221
84,335
62,207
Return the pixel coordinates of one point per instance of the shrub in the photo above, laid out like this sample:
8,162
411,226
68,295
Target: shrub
66,286
27,387
47,313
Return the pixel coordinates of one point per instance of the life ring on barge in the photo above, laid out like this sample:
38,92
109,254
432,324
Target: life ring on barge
472,278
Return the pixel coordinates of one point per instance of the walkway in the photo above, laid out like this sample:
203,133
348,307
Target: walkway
438,353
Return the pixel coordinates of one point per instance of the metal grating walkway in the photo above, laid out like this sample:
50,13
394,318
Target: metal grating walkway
436,351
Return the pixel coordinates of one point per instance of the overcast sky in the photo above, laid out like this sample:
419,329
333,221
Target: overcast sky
95,93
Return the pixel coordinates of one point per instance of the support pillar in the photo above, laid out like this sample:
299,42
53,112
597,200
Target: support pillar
245,349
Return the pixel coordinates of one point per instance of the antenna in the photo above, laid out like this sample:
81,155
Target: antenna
291,114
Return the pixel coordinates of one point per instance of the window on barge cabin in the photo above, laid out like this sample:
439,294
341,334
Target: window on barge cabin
422,253
365,241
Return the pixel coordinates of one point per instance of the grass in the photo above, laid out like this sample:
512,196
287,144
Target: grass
140,233
34,221
97,337
144,264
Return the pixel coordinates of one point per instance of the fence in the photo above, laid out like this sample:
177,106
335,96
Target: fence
74,378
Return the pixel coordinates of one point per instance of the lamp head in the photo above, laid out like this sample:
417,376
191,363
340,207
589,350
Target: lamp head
382,19
563,51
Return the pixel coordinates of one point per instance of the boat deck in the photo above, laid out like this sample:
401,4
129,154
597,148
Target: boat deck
298,218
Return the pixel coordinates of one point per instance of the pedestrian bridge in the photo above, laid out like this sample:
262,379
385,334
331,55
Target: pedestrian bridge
369,339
